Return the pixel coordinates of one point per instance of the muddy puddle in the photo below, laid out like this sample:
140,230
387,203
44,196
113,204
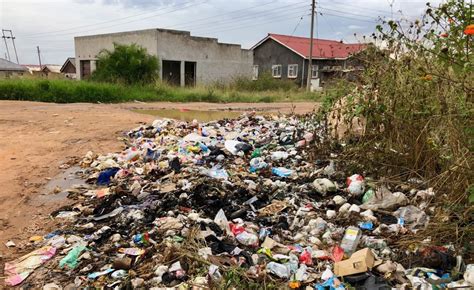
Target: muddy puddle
189,115
68,179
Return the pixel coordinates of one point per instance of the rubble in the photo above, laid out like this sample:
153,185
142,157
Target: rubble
186,204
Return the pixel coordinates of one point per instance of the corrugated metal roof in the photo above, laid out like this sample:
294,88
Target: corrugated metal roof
55,68
6,65
322,48
33,67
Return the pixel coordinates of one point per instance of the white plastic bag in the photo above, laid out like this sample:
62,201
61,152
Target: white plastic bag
222,222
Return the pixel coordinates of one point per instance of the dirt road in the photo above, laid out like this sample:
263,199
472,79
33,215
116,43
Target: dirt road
37,138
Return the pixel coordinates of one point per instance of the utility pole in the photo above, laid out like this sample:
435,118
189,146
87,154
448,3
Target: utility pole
6,44
13,41
310,65
14,47
39,56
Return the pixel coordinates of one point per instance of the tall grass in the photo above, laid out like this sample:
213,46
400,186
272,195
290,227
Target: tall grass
64,91
418,110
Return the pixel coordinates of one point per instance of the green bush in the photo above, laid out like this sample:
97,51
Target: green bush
126,64
417,105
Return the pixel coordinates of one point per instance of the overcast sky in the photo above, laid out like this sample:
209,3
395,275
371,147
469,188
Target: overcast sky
52,24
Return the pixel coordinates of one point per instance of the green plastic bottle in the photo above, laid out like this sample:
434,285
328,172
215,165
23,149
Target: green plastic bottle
256,153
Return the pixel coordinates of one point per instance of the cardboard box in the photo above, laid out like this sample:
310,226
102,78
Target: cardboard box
359,262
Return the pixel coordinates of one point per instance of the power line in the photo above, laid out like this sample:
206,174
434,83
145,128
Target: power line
232,22
298,24
345,12
248,16
352,7
330,26
98,23
253,18
259,23
238,20
227,13
141,19
252,15
351,18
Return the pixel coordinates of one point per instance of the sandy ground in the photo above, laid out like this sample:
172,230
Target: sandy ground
37,138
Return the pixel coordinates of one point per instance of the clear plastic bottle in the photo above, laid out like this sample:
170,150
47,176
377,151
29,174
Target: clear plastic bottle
350,240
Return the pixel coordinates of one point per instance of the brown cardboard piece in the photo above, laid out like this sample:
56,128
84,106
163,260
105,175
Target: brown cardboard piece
359,262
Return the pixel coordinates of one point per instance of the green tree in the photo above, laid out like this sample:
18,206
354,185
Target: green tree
126,64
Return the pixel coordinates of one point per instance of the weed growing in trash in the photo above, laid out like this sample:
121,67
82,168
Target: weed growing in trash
416,110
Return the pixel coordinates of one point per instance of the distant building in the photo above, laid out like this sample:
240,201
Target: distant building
10,69
69,68
287,57
34,69
185,60
51,69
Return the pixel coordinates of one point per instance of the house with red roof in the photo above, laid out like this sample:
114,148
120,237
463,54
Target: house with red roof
287,57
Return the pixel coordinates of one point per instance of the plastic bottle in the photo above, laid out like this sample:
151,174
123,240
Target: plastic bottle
350,240
215,172
256,153
282,171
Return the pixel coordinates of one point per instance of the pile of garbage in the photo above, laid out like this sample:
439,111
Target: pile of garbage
236,203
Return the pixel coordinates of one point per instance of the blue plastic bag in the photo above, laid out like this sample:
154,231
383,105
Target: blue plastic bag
106,175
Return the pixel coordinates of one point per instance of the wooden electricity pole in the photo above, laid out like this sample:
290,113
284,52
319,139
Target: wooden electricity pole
6,44
310,65
13,41
39,57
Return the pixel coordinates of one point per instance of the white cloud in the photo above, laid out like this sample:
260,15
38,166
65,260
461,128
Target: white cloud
354,27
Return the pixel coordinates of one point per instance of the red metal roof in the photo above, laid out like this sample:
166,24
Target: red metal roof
322,48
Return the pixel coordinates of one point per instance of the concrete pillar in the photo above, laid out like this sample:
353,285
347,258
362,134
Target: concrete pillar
160,71
78,69
93,66
181,77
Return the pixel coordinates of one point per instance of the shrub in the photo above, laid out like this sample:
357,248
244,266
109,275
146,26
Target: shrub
417,101
126,64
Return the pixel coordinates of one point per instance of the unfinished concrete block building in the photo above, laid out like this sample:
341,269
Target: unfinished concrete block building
185,60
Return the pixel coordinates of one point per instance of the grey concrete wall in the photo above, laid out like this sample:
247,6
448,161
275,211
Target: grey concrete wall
89,47
215,62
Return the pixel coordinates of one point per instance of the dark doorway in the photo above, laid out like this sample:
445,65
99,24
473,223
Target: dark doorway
172,72
85,69
189,74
